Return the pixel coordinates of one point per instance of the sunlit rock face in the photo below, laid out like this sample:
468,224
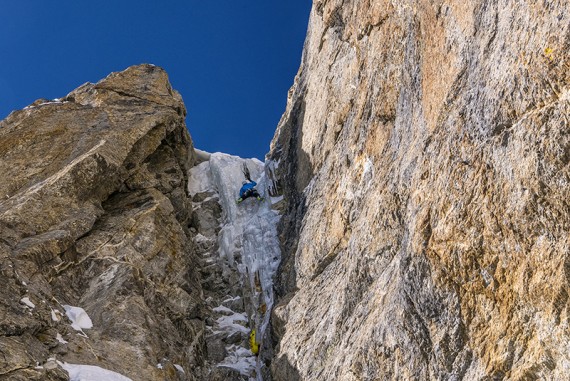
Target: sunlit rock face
94,213
423,157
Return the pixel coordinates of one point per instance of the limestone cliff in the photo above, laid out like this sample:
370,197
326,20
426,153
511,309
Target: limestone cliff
423,157
94,213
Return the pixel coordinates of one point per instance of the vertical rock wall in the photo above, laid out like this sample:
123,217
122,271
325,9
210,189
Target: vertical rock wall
94,213
424,159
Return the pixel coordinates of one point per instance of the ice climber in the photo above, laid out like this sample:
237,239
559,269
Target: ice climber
248,190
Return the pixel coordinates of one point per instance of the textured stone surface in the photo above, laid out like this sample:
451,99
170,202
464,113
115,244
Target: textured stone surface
94,213
424,159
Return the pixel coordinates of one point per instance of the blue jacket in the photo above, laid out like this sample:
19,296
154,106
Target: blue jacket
247,186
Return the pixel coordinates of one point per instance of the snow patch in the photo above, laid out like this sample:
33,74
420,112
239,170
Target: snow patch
239,359
28,302
60,339
52,102
54,315
228,323
91,373
79,318
222,309
179,368
230,300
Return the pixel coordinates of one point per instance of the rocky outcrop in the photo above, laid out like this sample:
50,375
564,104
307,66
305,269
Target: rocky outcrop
424,159
94,213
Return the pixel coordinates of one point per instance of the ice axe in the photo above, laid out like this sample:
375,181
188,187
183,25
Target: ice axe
245,171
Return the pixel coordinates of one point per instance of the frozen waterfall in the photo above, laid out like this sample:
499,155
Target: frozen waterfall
247,244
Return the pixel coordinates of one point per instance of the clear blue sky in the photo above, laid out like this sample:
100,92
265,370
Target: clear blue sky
233,61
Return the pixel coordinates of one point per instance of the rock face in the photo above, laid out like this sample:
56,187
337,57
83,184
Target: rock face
94,213
423,157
